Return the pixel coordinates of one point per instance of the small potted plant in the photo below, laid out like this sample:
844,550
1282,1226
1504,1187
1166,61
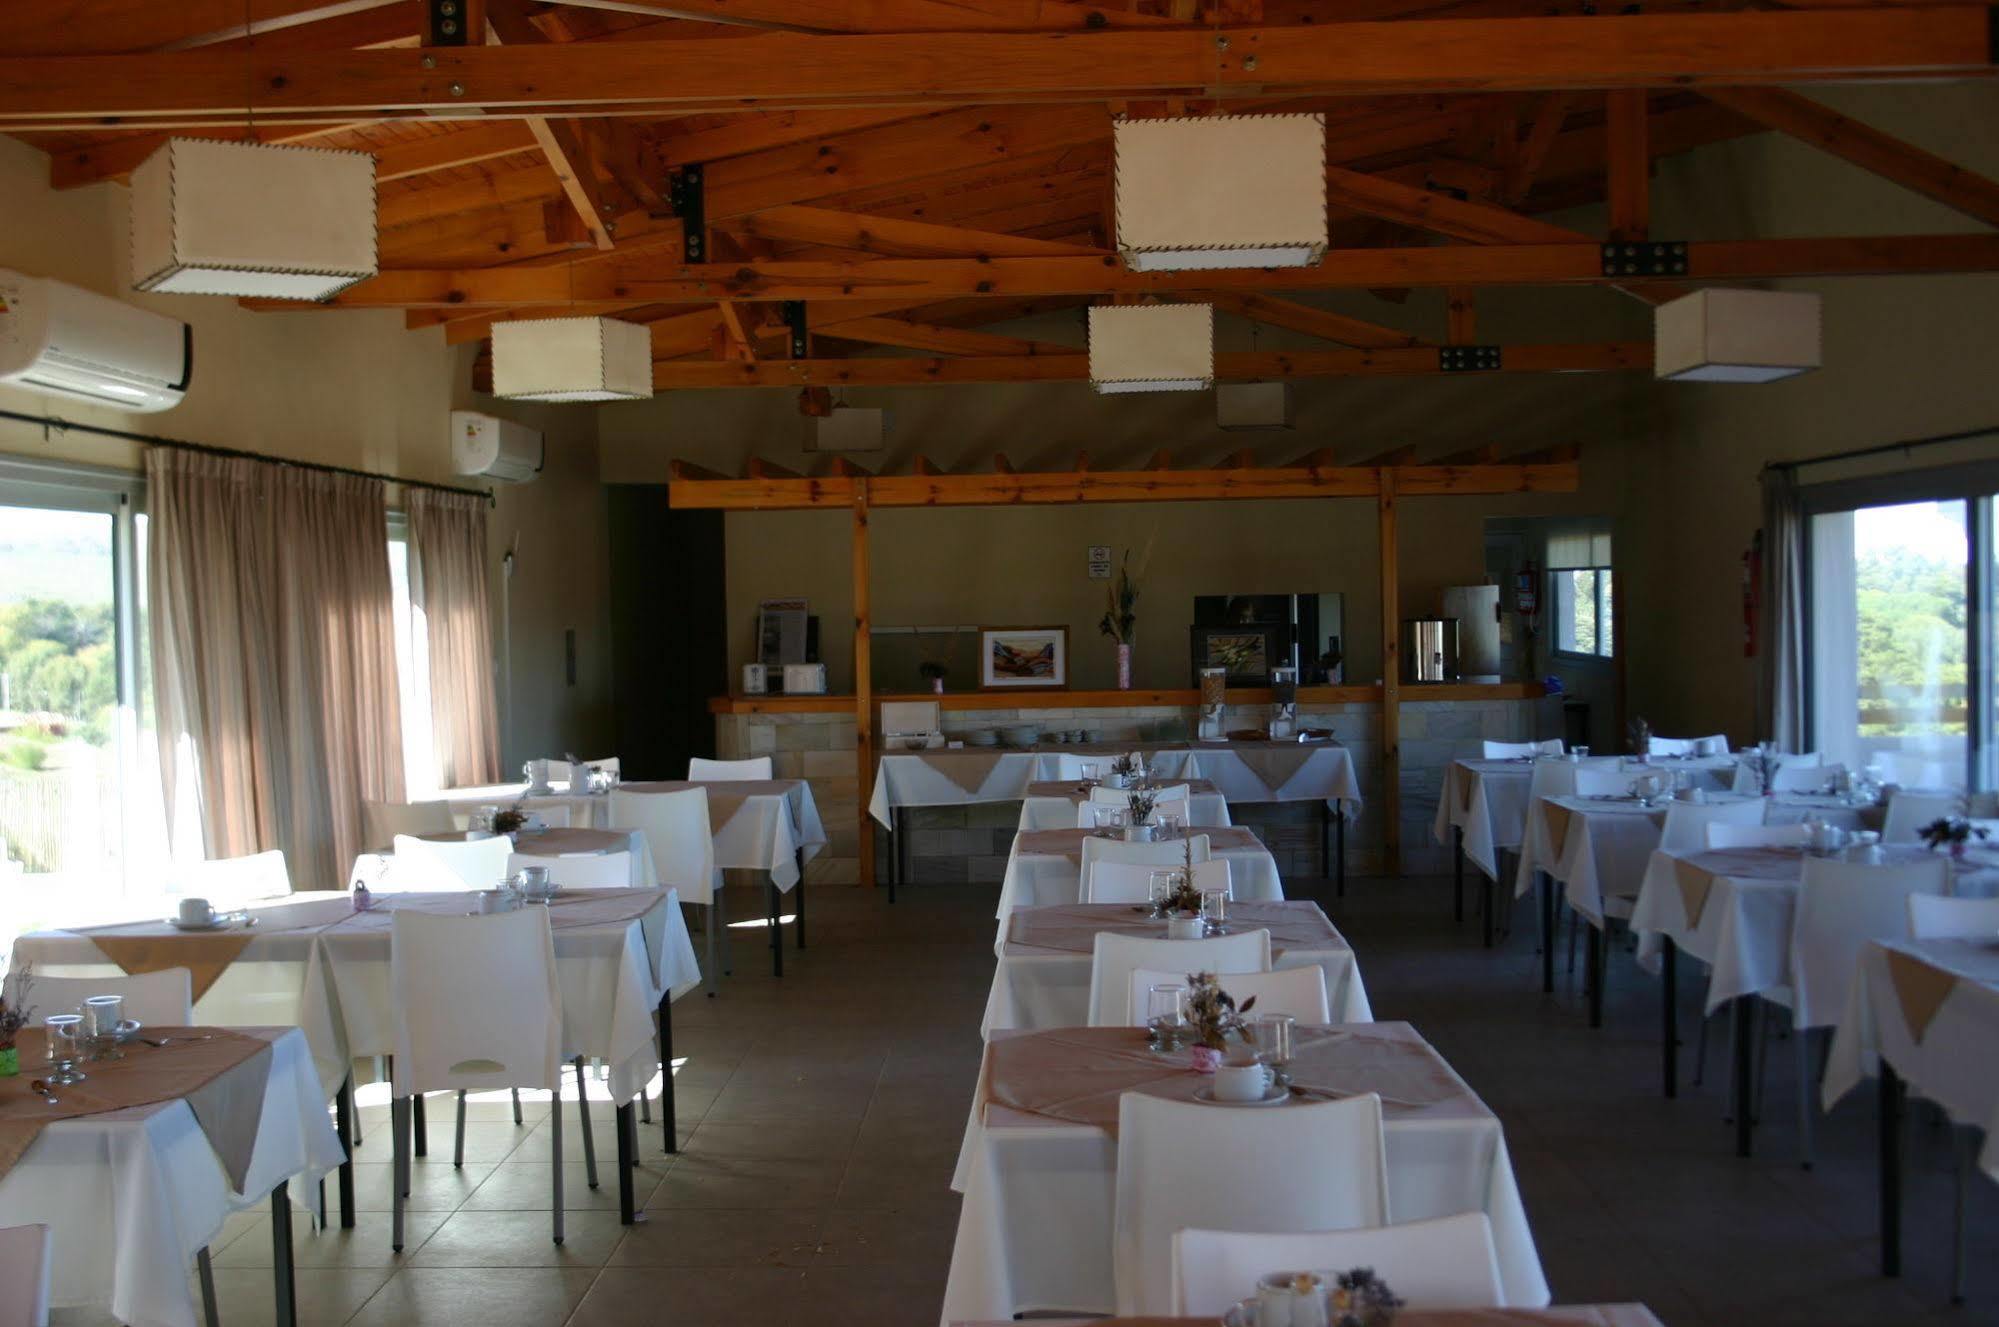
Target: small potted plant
14,1015
934,673
511,820
1138,827
1953,832
1214,1018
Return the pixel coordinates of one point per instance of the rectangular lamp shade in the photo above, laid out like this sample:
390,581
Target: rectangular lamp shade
572,359
1221,191
1724,335
1152,347
252,219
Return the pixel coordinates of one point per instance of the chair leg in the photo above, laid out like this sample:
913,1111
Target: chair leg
645,1107
555,1115
1966,1142
583,1114
1801,1039
517,1105
419,1126
722,925
458,1144
206,1268
398,1116
1574,919
714,967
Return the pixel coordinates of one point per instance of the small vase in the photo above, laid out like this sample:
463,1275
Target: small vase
936,686
1124,668
1138,833
1204,1059
10,1061
1957,850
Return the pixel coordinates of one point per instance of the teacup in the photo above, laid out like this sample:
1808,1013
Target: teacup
1697,796
535,883
197,912
1242,1082
1290,1299
489,900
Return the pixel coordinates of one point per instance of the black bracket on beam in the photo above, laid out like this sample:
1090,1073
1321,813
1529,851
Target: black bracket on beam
794,318
1645,258
444,23
686,194
1467,359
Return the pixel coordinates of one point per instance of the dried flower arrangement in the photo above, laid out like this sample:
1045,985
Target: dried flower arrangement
1140,802
512,819
1125,765
1361,1299
15,1014
1213,1014
1639,730
1953,832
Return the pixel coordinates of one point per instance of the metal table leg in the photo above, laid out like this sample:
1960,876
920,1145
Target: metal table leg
1547,884
666,1073
1340,852
343,1128
421,1128
627,1126
1669,999
1745,1071
799,901
1594,956
1457,874
281,1254
776,931
1892,1096
1485,905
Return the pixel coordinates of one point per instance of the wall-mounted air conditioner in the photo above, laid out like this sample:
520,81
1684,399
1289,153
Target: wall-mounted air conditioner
496,448
62,339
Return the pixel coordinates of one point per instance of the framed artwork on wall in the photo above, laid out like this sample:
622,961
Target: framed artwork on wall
1248,650
1014,657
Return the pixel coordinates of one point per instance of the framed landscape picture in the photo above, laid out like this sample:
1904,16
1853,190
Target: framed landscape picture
1015,657
1248,651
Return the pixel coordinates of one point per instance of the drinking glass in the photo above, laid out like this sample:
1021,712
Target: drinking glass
1166,1016
1169,825
483,818
101,1016
1273,1035
1105,816
61,1032
1089,768
1582,752
1160,887
1215,910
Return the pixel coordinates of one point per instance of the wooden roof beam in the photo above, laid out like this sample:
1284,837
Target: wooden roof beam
1563,453
1398,456
1627,165
1237,460
939,340
894,236
145,25
1530,152
877,16
1338,328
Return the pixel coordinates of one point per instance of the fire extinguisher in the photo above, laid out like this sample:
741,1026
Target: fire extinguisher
1752,583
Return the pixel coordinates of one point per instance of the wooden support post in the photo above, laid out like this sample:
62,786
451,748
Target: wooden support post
1628,168
864,709
1391,681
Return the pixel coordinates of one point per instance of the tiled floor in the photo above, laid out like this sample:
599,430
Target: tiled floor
821,1117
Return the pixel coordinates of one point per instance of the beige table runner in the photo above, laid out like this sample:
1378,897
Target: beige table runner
1077,794
1277,763
1696,874
1078,1074
1071,928
967,768
153,946
1069,842
222,1077
1920,988
1558,817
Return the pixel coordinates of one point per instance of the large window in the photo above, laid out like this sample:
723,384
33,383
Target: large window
412,669
1582,589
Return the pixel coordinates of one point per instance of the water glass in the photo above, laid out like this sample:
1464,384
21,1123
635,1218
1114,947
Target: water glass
1089,768
101,1016
1166,1016
61,1030
1581,752
1160,888
1273,1035
483,818
1215,910
1170,825
1104,816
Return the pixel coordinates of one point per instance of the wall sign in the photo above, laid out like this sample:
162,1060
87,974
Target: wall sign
1100,562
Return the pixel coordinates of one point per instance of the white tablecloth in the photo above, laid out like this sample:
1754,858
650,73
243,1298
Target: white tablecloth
1744,931
1036,1226
1036,879
329,974
1040,810
1488,800
1041,986
1955,1060
131,1195
379,868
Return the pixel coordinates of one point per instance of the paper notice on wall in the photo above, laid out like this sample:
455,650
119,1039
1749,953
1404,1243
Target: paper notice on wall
1100,562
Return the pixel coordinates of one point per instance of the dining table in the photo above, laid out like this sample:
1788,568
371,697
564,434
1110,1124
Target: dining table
136,1168
1045,866
311,960
1056,803
1922,1017
1042,979
1555,1315
1038,1165
1734,909
378,868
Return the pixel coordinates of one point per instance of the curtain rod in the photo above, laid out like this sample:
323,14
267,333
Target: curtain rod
154,440
1883,449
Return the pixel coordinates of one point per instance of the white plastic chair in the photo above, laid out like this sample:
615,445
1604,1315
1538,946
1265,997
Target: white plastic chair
1684,746
1447,1262
1131,882
1115,957
1181,1164
1687,823
1513,750
1758,836
1172,792
1909,811
1604,781
683,854
1173,852
26,1259
478,1008
157,999
729,771
1798,777
382,821
230,882
1931,917
608,870
448,864
1299,992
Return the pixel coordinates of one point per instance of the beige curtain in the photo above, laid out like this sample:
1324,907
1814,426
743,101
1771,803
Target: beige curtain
274,656
447,540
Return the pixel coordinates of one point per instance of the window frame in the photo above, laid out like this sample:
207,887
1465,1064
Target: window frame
1602,615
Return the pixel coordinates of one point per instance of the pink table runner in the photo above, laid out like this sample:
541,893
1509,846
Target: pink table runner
1072,928
1069,842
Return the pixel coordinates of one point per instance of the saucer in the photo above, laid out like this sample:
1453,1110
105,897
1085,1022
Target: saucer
1272,1096
218,924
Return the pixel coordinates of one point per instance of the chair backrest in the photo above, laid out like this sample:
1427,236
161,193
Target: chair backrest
729,771
27,1254
448,863
608,870
1794,776
1180,1164
1603,780
1172,792
1510,750
229,882
1131,882
1725,835
1931,917
1685,746
1173,852
157,999
382,821
1115,956
676,828
1841,906
1299,992
1909,811
477,1001
1447,1262
1687,822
